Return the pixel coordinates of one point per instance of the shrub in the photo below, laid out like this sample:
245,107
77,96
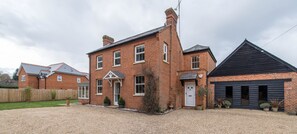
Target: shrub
106,101
227,103
53,95
28,93
202,91
150,99
68,98
265,105
275,103
220,101
122,102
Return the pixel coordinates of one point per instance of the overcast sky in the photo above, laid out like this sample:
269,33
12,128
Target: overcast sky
52,31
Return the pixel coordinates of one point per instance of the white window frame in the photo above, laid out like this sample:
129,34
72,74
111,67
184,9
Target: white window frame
115,58
137,84
138,53
165,52
99,86
78,80
59,78
83,92
196,62
99,62
23,78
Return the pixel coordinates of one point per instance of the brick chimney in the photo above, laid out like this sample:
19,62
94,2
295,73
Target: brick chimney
171,17
107,40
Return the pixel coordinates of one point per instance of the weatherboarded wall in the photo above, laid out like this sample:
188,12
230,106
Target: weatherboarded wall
18,95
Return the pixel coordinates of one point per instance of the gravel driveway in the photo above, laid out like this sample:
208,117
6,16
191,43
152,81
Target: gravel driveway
86,119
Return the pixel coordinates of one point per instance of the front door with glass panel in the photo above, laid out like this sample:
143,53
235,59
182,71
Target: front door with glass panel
117,89
190,94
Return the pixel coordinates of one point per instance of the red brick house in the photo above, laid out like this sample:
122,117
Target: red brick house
250,75
55,76
116,68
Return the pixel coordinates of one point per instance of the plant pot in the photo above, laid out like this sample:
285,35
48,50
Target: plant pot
227,107
121,106
106,104
171,106
266,109
275,109
199,107
67,103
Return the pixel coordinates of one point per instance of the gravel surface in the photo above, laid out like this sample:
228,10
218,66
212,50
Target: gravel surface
87,119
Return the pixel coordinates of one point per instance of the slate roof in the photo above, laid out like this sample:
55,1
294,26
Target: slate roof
132,38
188,76
51,69
251,59
198,48
119,74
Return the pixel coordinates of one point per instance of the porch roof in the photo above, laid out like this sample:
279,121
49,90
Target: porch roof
114,75
188,76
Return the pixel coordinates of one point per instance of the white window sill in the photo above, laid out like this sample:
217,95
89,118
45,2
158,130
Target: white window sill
99,94
116,65
195,68
136,95
139,62
99,69
166,62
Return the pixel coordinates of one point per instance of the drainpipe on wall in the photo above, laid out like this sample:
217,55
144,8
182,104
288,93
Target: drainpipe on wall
90,78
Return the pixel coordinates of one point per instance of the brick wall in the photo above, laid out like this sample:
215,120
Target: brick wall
290,87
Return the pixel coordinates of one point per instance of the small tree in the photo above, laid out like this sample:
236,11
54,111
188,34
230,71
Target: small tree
28,94
53,94
15,75
150,99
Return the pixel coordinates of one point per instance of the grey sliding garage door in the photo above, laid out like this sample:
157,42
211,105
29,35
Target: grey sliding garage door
248,94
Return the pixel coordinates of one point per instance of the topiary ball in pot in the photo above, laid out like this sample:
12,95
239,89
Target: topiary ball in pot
106,101
121,103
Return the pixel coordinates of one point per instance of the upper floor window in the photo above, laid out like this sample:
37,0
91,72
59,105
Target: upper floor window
99,62
117,58
195,62
59,78
139,53
99,87
139,85
23,78
165,52
78,80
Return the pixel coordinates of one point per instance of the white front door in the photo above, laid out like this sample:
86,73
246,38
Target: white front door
190,94
117,90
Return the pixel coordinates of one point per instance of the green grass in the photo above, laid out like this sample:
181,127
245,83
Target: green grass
19,105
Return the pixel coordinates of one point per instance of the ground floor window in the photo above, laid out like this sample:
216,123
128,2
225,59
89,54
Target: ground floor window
245,96
99,87
83,92
263,93
139,85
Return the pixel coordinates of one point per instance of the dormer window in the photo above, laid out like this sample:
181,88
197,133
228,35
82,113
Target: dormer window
195,62
117,58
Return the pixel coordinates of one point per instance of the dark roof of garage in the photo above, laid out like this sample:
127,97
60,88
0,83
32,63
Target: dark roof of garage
251,59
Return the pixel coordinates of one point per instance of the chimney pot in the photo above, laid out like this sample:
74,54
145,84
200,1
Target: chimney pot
107,40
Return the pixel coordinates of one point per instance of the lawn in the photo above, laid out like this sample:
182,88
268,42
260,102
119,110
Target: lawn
19,105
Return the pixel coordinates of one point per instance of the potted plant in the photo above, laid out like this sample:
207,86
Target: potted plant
265,106
227,103
220,102
106,101
202,92
199,107
121,103
275,104
68,101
